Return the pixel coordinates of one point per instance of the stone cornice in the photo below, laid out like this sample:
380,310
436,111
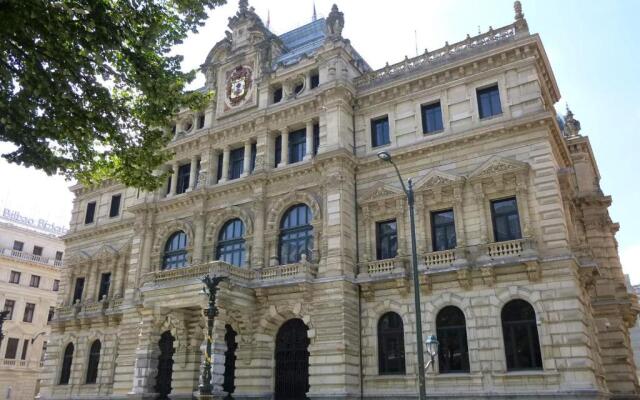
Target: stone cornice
99,230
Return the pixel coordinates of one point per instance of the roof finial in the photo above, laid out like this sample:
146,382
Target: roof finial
517,7
571,125
243,5
314,16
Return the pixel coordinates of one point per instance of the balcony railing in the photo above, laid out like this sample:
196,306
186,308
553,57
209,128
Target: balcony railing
440,258
510,248
382,267
19,364
22,255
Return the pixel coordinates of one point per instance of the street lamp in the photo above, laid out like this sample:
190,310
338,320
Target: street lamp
210,289
384,156
432,349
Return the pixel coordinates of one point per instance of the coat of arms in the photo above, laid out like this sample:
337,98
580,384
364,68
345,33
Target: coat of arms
238,85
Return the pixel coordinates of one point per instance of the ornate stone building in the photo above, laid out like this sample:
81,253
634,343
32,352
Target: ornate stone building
277,185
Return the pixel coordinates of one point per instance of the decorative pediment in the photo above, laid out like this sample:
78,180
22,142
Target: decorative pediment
105,252
436,178
380,192
498,165
78,257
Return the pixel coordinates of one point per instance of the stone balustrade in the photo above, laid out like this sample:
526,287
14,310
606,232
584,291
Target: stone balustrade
20,364
382,267
23,255
440,258
510,248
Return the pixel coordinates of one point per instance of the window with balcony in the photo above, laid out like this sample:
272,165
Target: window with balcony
77,290
230,247
56,285
9,306
18,245
29,310
296,234
59,255
386,239
391,345
37,251
90,213
105,283
236,163
14,277
520,332
114,208
489,101
453,352
175,251
67,360
35,281
183,178
25,349
506,222
432,118
94,362
443,230
12,349
51,314
297,145
380,131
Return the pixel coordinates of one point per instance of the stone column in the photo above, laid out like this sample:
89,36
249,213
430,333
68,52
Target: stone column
246,162
193,172
457,216
198,239
225,164
522,198
92,283
479,197
115,279
309,142
284,148
174,179
213,166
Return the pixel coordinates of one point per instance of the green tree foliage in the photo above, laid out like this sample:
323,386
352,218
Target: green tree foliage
88,87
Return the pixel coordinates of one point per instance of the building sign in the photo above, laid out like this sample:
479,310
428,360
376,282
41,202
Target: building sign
41,224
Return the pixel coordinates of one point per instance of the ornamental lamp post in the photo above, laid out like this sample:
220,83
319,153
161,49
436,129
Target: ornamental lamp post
408,191
210,289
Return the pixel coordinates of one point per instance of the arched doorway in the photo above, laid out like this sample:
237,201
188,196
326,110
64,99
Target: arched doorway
165,366
228,385
292,361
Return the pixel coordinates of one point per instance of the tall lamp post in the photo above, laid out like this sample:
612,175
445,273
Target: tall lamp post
384,156
210,289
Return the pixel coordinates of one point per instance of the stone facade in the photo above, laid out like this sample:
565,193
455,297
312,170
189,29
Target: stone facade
243,158
30,273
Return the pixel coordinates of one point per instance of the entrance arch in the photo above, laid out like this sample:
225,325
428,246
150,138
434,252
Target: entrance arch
292,361
165,366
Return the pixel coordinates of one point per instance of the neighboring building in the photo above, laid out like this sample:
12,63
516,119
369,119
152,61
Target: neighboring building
635,336
30,273
278,186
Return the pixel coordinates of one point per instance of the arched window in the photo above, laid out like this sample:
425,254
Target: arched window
453,354
175,251
390,345
67,359
94,361
231,243
296,234
521,343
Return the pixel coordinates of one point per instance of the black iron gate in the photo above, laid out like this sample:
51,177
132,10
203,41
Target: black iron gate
230,361
292,361
165,366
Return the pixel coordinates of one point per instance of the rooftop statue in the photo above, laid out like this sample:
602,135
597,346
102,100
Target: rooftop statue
335,23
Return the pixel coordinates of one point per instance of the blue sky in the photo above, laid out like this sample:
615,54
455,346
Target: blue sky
593,47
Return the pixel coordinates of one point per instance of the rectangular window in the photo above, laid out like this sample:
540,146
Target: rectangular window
18,245
29,310
14,277
431,118
278,150
236,163
315,79
506,223
443,230
105,282
35,281
220,161
9,306
380,131
386,239
254,152
37,250
114,209
56,285
200,121
51,313
25,348
12,349
91,212
277,95
59,255
169,184
297,145
77,291
183,178
316,138
489,102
